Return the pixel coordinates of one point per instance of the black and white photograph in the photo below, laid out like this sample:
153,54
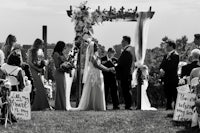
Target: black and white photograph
99,66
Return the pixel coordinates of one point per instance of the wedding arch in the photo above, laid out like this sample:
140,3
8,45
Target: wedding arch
85,20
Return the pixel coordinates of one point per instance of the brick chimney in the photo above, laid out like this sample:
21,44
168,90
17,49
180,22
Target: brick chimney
197,39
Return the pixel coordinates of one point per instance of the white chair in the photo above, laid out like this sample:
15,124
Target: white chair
13,81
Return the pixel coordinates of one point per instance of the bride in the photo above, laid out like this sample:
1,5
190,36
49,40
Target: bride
93,97
145,104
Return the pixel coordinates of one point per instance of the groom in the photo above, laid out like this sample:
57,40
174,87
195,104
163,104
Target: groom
124,70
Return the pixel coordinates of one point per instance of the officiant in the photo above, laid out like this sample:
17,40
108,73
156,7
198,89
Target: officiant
110,83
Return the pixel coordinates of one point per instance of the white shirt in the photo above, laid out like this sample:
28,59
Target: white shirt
109,58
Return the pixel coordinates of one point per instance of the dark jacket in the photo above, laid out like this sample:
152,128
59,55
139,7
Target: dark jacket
186,70
170,66
108,64
124,68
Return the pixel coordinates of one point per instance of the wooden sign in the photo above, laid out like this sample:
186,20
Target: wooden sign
20,105
184,103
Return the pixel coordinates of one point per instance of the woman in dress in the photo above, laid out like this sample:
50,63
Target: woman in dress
36,65
59,58
8,46
93,97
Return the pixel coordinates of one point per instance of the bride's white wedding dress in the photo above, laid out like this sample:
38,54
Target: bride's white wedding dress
93,96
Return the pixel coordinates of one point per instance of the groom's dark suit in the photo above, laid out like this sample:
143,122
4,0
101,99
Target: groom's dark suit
124,71
110,82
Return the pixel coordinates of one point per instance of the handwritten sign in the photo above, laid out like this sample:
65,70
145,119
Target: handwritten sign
184,103
183,89
20,105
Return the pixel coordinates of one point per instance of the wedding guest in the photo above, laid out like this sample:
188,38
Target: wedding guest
168,69
36,65
186,70
195,73
26,68
8,46
194,85
14,71
59,58
124,70
110,83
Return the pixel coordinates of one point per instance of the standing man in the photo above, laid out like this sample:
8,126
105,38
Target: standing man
124,70
110,83
168,70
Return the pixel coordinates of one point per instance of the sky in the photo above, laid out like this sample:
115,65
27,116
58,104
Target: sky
25,18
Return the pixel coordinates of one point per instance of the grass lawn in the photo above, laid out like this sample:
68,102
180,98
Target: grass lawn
120,121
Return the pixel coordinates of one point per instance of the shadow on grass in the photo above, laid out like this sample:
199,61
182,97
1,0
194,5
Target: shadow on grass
190,130
170,115
185,124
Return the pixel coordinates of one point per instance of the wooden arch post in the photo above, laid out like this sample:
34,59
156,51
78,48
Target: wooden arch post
44,37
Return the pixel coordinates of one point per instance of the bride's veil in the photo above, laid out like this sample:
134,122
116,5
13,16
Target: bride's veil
89,53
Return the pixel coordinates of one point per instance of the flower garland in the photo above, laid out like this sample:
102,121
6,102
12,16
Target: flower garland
84,20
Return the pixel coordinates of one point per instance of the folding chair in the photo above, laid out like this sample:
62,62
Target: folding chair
13,81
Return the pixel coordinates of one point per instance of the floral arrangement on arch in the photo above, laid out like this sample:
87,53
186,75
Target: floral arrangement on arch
84,20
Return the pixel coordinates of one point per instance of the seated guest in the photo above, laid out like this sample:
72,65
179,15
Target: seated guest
195,54
187,69
194,79
26,68
14,72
